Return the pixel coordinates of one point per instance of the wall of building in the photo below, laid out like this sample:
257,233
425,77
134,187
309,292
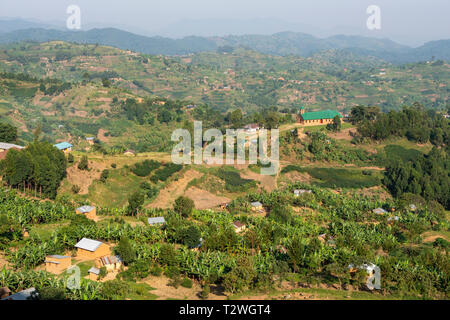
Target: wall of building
103,250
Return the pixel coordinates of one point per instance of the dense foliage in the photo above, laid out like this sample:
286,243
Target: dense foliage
39,167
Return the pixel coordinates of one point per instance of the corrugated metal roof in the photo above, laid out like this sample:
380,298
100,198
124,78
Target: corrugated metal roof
156,220
110,260
317,115
57,256
7,146
256,204
88,244
22,295
62,145
86,209
94,270
379,210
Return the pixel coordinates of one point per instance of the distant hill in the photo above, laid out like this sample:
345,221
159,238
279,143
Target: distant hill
283,44
9,25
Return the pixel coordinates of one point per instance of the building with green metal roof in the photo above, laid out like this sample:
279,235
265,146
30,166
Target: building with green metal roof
318,117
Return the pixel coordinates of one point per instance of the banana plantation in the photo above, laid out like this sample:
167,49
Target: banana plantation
308,238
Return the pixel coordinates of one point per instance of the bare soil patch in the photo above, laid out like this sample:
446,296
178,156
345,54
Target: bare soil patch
345,134
175,189
84,178
204,199
268,183
164,292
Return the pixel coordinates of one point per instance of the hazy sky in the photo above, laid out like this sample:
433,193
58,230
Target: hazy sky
402,20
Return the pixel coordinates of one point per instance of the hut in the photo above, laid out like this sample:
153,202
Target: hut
57,264
64,147
256,206
301,191
111,263
89,211
93,273
129,153
239,226
92,249
90,140
379,211
158,221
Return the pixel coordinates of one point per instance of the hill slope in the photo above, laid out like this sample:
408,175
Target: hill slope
285,43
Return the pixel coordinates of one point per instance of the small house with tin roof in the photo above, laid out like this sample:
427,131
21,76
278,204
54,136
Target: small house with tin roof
93,273
63,146
89,211
379,211
158,221
56,264
111,263
238,226
92,249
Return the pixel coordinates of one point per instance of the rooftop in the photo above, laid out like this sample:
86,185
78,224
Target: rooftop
156,220
7,146
22,295
238,224
62,145
379,210
94,270
256,204
317,115
85,209
88,244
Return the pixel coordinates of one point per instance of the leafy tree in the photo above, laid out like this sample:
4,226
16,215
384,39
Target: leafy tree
184,206
167,255
135,203
335,125
8,133
115,289
39,167
192,237
106,82
104,175
236,119
240,277
84,163
70,158
126,251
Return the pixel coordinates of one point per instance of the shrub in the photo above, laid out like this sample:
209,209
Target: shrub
135,203
156,271
144,168
48,293
70,158
84,163
104,175
187,283
205,292
115,289
125,251
76,188
184,206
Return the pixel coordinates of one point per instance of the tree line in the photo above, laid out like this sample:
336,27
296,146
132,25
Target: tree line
38,168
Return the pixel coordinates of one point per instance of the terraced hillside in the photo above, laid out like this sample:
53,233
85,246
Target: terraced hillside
240,78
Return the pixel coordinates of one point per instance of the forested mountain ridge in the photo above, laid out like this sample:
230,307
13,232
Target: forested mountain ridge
283,43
